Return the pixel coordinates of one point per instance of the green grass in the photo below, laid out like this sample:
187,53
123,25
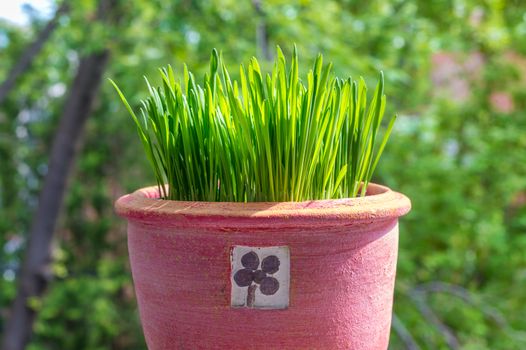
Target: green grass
272,137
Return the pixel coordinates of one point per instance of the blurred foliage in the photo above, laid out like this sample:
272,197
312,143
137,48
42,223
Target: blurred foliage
455,71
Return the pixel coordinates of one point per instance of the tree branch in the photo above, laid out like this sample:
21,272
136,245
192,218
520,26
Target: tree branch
466,296
24,62
420,299
404,335
419,295
261,31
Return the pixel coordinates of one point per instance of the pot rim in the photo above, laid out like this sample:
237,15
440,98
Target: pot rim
380,203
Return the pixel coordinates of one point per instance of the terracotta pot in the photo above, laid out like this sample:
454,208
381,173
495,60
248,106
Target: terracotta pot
314,275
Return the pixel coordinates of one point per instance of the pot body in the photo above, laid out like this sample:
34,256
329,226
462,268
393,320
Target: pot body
340,291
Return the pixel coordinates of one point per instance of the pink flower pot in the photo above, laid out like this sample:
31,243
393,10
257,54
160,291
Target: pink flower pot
314,275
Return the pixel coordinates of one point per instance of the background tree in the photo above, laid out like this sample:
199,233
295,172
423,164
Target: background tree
36,273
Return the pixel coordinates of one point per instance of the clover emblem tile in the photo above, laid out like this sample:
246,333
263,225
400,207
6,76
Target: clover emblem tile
260,277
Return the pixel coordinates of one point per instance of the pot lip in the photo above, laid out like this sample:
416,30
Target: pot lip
380,203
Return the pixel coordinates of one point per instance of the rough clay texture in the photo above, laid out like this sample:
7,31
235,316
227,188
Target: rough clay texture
342,255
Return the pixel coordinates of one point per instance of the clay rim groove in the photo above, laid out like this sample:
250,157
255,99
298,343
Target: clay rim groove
380,203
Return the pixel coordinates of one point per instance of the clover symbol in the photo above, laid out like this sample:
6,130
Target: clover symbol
251,273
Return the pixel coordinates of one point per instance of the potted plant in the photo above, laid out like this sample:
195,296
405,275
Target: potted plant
263,231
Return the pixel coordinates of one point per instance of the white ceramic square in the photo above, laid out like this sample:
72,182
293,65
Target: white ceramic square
260,277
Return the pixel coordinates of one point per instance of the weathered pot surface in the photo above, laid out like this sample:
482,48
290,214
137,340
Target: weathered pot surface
289,275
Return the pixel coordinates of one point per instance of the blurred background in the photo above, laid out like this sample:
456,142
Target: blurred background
455,74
